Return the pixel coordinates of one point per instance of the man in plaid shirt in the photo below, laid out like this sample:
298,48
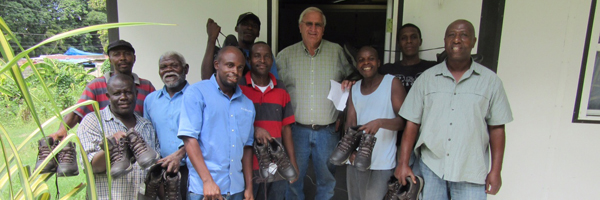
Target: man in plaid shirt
117,118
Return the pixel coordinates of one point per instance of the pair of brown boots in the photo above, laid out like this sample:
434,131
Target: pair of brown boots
130,149
65,163
352,140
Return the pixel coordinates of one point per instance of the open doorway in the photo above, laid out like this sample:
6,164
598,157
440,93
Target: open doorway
350,23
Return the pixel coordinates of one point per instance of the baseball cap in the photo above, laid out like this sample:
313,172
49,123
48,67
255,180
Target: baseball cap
248,15
119,43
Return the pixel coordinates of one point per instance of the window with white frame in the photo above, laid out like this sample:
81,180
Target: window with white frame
587,107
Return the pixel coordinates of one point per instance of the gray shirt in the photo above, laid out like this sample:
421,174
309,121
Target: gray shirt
454,117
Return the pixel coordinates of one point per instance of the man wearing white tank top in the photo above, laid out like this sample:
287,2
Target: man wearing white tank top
374,104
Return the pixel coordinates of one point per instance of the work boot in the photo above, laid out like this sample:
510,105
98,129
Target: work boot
411,191
43,152
172,181
67,161
346,146
119,157
362,162
143,153
264,159
280,157
153,181
393,188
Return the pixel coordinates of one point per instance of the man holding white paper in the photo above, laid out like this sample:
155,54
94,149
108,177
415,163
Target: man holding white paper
306,69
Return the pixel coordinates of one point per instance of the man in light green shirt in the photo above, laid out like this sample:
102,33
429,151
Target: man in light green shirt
457,109
306,69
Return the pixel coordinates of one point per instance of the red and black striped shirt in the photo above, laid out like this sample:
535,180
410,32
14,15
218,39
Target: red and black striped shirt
273,107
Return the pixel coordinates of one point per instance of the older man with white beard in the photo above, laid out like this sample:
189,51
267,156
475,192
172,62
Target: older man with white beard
162,108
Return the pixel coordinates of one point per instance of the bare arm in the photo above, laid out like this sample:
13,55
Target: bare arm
406,147
207,69
288,144
211,189
493,180
71,120
247,170
350,113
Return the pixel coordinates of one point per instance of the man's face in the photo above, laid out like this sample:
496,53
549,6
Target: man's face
122,60
459,40
409,41
248,30
171,71
261,59
229,66
312,28
367,62
121,95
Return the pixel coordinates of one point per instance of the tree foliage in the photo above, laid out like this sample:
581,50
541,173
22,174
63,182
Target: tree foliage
35,20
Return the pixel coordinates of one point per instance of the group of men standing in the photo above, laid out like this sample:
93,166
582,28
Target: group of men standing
205,131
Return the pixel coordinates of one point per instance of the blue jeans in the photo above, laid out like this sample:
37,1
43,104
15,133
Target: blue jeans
318,145
236,196
436,188
275,190
370,184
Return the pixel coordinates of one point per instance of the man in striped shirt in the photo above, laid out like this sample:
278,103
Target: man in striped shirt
122,57
274,115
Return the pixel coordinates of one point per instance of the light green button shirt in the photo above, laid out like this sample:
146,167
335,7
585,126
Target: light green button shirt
454,118
307,78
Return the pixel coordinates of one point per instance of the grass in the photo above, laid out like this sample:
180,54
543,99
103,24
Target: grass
29,156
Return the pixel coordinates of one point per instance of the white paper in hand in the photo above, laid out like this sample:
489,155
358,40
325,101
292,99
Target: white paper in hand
337,96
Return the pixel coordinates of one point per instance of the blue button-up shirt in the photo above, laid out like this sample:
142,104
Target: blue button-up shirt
223,126
163,111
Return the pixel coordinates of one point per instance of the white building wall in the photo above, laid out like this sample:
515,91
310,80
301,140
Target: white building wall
188,37
433,16
547,156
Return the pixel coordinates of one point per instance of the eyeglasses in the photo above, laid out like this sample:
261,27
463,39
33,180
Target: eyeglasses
310,24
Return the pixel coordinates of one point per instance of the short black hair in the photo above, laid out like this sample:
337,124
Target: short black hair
409,25
120,77
259,42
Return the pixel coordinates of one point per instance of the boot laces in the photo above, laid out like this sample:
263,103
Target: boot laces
347,142
137,144
264,160
117,151
366,146
67,154
171,187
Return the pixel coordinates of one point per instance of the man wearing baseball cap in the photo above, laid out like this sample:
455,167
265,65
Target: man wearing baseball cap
121,55
247,28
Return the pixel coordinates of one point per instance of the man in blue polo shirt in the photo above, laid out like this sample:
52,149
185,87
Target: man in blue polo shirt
216,126
162,108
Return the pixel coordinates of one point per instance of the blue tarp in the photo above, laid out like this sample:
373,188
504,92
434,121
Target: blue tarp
76,52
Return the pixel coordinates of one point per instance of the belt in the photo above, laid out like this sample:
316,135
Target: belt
315,126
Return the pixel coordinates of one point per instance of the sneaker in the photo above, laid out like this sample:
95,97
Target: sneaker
280,157
172,181
362,162
43,152
346,146
264,159
119,157
67,161
144,155
153,181
411,191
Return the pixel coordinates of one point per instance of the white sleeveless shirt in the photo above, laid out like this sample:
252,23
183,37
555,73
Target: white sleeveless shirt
374,106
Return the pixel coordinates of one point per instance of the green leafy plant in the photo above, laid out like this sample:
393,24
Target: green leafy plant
33,184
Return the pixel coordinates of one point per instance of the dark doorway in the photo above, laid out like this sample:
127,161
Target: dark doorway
353,23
